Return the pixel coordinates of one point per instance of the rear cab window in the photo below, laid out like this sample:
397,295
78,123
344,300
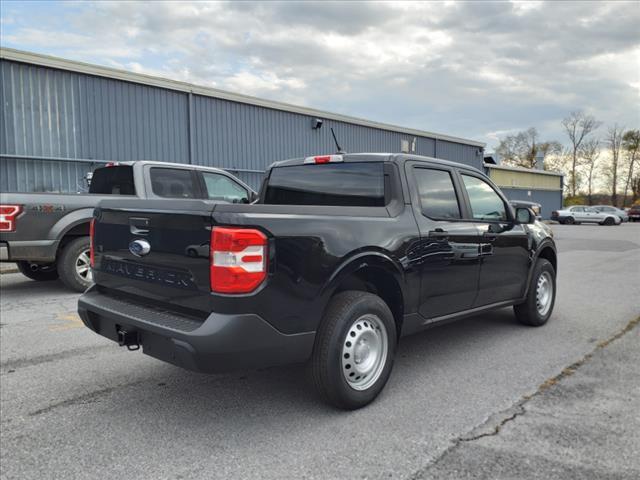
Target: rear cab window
173,182
438,199
353,184
115,180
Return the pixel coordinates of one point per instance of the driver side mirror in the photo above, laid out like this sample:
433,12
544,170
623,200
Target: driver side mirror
525,216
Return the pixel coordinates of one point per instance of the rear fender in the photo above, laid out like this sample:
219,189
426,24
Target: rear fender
69,221
360,261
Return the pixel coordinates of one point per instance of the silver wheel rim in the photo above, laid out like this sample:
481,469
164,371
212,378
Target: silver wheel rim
83,266
544,293
364,352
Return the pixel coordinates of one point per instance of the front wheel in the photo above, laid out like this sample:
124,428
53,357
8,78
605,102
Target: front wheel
354,350
538,306
609,221
74,265
36,271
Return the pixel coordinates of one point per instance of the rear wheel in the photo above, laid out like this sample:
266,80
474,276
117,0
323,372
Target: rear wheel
609,221
354,350
538,306
74,265
37,271
569,220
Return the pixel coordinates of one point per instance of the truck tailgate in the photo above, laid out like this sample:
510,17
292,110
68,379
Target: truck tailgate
156,251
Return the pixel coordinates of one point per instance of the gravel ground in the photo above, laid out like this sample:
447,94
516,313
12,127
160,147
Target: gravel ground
74,405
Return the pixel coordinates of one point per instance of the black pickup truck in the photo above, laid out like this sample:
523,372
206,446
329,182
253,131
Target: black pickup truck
341,255
47,234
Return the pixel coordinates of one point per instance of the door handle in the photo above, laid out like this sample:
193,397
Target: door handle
438,233
139,226
490,236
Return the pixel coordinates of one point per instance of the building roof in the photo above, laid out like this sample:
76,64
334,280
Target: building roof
522,169
91,69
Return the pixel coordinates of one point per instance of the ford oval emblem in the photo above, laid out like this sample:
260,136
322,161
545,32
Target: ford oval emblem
139,248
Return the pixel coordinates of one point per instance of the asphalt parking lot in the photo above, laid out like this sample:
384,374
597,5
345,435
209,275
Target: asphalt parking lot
481,398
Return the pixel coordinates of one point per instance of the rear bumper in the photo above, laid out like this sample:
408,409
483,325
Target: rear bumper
219,343
43,251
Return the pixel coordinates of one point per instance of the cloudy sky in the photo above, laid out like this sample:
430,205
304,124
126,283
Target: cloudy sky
475,69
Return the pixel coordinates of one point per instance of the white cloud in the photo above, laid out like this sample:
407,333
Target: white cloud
473,69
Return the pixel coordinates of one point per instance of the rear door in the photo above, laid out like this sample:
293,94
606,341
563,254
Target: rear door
579,214
448,249
593,215
504,246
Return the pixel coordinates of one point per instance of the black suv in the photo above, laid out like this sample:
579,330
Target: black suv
341,255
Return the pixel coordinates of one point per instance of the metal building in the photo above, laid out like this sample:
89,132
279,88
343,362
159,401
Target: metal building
61,119
532,185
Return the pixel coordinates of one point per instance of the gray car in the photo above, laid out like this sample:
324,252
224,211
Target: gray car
624,216
583,214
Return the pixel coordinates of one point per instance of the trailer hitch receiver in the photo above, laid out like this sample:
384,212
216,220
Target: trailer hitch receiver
129,339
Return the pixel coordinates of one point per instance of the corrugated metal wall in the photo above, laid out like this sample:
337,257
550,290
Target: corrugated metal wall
50,114
549,199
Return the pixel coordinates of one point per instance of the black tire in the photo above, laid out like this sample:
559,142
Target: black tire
528,312
609,221
327,364
40,272
569,220
67,261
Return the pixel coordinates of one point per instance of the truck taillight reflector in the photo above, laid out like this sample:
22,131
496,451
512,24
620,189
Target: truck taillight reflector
8,214
92,227
238,259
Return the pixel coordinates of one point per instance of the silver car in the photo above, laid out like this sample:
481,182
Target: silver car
624,216
583,214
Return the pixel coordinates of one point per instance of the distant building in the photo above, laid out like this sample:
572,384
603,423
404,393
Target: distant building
62,119
533,185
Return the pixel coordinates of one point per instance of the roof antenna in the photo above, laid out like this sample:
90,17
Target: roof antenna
336,140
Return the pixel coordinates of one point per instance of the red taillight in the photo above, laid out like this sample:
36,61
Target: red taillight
8,214
238,259
92,227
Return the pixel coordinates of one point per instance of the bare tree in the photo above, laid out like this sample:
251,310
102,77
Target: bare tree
521,149
614,143
631,148
578,126
590,152
635,189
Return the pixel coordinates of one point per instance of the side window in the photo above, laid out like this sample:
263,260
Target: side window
577,209
486,204
172,182
437,194
220,187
